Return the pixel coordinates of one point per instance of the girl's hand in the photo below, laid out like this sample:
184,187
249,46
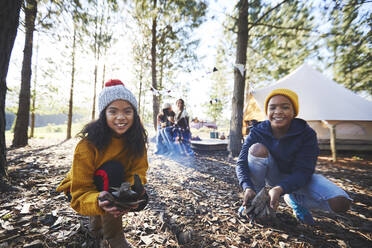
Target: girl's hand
249,194
105,205
275,194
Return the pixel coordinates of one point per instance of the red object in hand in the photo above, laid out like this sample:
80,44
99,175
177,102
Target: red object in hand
113,82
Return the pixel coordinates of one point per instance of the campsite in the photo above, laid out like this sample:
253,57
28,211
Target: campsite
349,113
185,124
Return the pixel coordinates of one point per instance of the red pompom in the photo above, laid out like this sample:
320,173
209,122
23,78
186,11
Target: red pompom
113,82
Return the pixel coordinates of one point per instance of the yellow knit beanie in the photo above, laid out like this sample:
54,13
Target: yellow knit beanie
285,92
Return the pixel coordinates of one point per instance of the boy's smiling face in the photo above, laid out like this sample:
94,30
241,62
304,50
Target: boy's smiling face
280,112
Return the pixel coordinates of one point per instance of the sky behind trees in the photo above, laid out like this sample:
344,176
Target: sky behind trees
199,81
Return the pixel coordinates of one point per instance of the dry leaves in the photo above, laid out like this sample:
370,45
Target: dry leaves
193,203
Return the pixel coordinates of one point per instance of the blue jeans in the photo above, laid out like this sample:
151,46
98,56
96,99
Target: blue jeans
182,142
160,146
164,140
314,195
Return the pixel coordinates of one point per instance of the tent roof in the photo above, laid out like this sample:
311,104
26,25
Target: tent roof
319,97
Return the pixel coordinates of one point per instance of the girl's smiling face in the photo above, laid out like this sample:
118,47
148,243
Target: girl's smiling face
280,112
119,116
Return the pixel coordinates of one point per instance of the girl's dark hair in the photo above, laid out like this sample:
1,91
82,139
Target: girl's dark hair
100,134
183,107
183,102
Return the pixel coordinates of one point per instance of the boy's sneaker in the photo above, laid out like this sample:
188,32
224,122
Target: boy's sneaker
301,213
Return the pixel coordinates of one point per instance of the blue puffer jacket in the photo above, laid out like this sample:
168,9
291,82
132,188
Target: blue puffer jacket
295,153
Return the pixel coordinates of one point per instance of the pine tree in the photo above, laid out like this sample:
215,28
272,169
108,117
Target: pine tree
275,37
22,121
9,20
172,23
350,42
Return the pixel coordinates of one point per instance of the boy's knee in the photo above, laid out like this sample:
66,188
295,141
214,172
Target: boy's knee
259,150
339,204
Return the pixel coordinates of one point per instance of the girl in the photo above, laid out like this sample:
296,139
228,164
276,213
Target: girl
182,134
182,117
282,151
112,150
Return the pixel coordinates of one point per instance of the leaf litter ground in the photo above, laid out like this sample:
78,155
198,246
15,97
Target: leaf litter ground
193,203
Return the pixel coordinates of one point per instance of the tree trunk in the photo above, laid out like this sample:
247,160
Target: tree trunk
33,97
160,85
140,90
9,19
23,115
155,104
71,101
235,141
104,68
94,92
96,57
103,75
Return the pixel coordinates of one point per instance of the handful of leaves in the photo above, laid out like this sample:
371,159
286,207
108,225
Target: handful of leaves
259,207
126,197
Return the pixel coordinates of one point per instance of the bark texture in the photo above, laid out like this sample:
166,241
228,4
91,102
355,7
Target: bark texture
23,115
9,19
235,141
155,104
71,100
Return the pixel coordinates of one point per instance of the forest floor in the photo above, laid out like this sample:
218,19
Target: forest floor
193,203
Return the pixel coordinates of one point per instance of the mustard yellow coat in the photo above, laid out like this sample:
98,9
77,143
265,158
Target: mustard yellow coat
87,159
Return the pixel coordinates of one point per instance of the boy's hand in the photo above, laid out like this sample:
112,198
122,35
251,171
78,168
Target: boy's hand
275,194
258,207
249,194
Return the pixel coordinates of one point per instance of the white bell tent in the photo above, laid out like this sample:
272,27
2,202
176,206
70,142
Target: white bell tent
323,103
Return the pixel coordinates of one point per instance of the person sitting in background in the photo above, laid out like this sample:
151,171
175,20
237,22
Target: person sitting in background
282,152
182,134
182,117
165,122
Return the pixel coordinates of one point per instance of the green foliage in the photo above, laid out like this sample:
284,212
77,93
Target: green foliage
141,54
99,24
279,42
175,49
279,39
350,42
176,21
53,129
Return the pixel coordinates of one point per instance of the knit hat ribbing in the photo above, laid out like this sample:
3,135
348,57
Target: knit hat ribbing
115,90
285,92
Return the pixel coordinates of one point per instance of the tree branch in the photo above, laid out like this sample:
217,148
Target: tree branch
269,11
279,27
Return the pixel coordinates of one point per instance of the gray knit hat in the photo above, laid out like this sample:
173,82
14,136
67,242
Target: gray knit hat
115,90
